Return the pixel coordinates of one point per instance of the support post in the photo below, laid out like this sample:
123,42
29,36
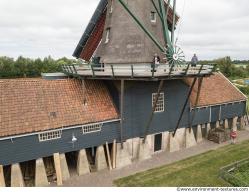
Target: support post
16,176
113,74
122,112
41,179
132,71
108,156
93,72
153,110
57,164
2,180
82,163
114,153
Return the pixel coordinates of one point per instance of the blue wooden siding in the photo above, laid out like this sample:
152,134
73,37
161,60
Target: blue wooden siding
137,108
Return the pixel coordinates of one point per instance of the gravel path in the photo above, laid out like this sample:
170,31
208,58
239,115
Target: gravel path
105,178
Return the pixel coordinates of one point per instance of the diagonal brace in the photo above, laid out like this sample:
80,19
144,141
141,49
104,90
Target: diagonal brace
187,100
153,110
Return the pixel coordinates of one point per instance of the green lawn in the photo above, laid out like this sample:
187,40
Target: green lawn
200,170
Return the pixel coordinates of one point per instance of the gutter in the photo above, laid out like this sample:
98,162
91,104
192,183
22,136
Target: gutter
62,129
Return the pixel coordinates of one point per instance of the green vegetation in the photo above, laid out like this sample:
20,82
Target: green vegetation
25,67
237,173
200,170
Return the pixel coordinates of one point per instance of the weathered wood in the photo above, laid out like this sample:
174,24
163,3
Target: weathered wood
122,112
57,164
2,180
153,110
114,151
108,156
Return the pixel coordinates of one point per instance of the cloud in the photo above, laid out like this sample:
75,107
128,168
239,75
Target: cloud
213,28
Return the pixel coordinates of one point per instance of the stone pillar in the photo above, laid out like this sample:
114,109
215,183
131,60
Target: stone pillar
82,163
64,168
41,179
199,137
133,147
16,176
226,125
2,180
100,159
234,124
190,138
173,143
57,164
123,157
144,150
208,129
165,141
217,124
242,123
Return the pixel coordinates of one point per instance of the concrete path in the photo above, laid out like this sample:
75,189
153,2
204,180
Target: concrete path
105,178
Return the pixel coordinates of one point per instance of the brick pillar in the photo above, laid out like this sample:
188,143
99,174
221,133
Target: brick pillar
242,123
173,143
226,125
41,179
123,157
100,159
208,129
64,167
199,134
16,176
144,150
2,180
190,138
234,124
82,163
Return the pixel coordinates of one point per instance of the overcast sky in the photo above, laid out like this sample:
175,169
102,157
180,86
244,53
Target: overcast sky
38,28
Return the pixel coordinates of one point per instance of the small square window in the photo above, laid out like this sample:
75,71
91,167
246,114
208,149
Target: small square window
153,17
160,102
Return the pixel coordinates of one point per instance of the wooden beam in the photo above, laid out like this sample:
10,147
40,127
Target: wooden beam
187,100
122,112
153,110
132,71
113,74
114,150
196,102
57,164
2,180
108,156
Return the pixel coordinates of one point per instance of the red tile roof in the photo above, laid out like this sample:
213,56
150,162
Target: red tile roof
32,105
216,89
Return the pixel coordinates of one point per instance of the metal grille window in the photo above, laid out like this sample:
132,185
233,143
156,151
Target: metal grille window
91,128
48,136
160,102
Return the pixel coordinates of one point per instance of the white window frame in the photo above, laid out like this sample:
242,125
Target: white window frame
153,17
107,37
91,128
50,135
160,104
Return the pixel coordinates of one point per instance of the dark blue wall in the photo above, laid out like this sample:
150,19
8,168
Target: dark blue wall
137,108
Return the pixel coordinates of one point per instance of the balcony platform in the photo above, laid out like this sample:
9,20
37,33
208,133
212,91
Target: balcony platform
138,72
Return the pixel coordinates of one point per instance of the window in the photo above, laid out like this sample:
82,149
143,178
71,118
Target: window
160,102
153,17
91,128
107,38
48,136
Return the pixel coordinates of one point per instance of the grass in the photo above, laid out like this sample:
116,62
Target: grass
201,170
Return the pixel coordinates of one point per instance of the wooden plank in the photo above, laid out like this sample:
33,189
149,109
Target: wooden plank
108,156
122,112
114,152
2,180
57,164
